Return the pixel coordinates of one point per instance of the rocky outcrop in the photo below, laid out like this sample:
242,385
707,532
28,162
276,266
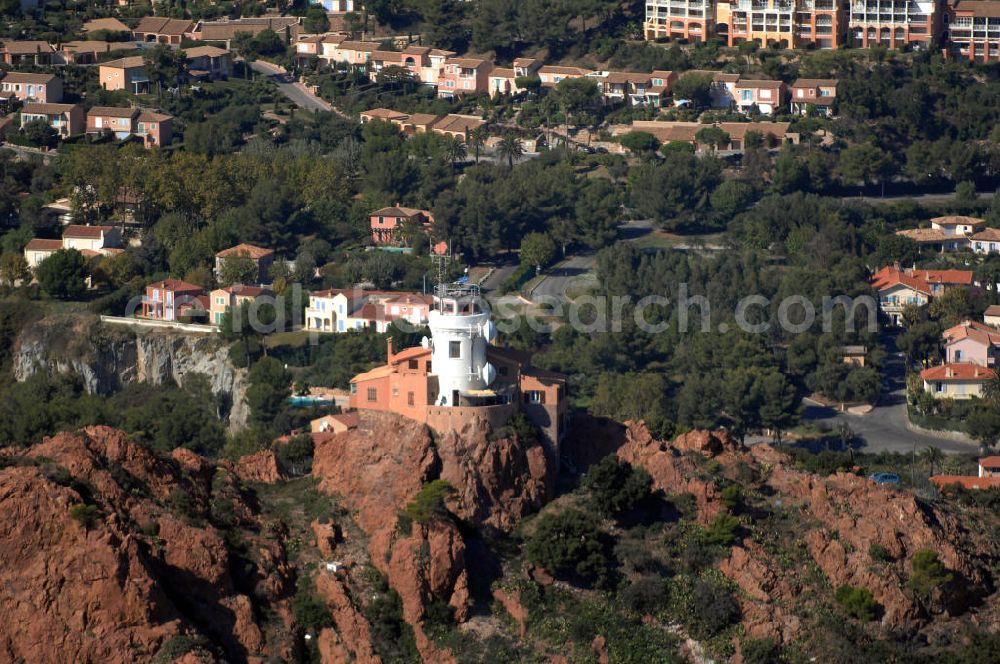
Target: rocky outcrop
106,357
352,640
259,467
379,467
673,470
847,517
107,551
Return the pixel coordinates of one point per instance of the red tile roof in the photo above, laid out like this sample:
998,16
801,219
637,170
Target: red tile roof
41,244
971,329
957,371
250,250
175,285
920,280
958,220
966,482
86,232
990,462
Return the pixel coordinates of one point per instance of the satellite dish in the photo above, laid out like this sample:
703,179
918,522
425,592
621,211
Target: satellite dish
425,343
489,373
489,330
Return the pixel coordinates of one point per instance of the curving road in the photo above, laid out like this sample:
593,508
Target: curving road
885,429
295,91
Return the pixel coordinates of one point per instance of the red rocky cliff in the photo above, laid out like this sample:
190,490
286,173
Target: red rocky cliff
113,582
379,467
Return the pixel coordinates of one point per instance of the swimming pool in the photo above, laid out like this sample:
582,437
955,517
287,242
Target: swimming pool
309,401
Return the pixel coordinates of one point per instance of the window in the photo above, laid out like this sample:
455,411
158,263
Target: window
412,364
502,371
409,399
372,394
746,95
958,356
354,388
454,349
534,396
395,391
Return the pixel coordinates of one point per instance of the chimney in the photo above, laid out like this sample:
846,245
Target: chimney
388,350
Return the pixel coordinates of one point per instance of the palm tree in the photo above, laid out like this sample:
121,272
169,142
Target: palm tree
991,389
477,139
455,150
510,148
931,456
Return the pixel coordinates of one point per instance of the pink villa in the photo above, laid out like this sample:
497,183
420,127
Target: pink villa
972,342
155,129
464,76
387,223
171,299
222,300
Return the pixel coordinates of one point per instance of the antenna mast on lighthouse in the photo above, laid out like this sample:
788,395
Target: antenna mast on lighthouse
441,262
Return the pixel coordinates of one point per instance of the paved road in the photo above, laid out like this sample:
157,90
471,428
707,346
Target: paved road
561,277
499,276
295,91
884,428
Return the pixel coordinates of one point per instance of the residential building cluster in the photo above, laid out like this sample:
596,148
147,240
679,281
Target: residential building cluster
955,233
91,241
456,76
344,309
775,133
969,28
453,125
971,348
898,288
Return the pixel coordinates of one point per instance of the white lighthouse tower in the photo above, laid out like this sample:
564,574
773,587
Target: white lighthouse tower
460,332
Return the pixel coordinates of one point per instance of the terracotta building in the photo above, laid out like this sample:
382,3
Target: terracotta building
458,376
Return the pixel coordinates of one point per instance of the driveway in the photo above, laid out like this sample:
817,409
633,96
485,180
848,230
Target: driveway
295,91
884,428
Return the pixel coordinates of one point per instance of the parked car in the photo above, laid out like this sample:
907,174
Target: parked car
884,478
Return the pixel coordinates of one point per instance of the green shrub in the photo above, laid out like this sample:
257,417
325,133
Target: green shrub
615,487
309,609
392,637
177,646
857,602
722,530
570,544
732,496
760,651
295,456
84,514
928,572
429,503
704,605
646,595
879,553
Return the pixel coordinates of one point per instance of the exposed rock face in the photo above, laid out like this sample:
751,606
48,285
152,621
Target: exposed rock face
847,516
672,471
60,582
259,467
377,468
115,581
106,357
352,641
